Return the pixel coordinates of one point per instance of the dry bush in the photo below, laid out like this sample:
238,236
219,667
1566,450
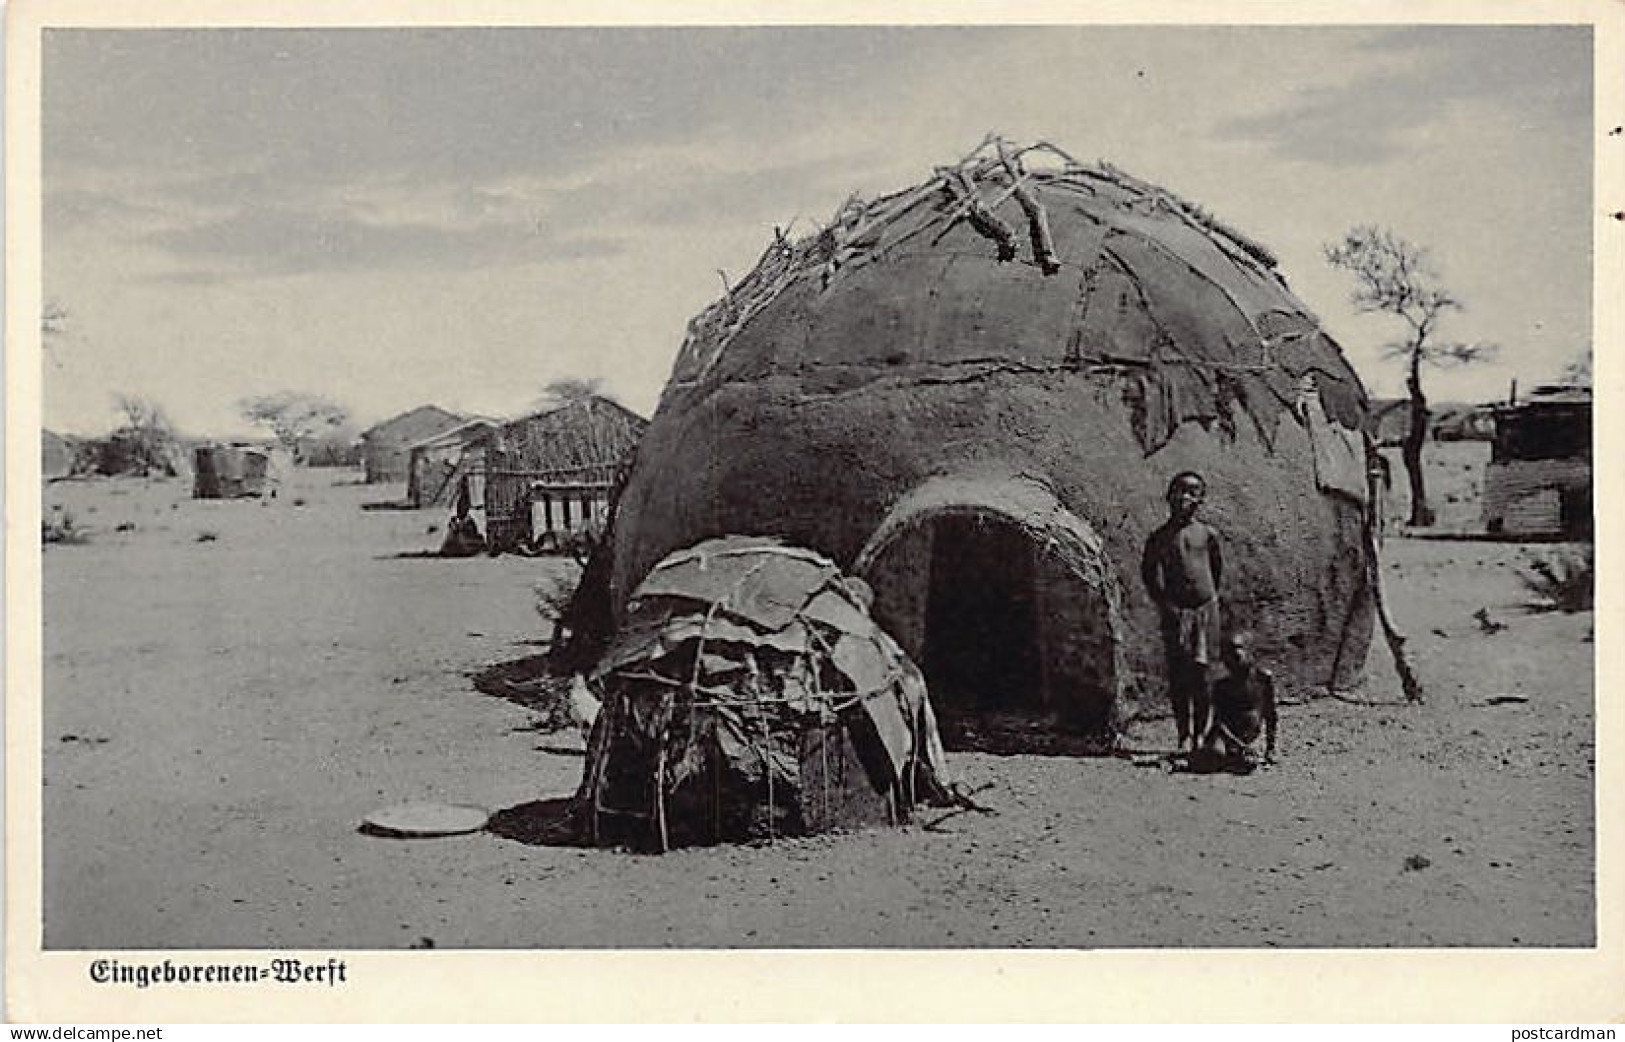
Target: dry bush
1565,581
60,529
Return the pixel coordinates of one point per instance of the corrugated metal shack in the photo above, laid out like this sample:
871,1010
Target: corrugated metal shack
1538,481
234,471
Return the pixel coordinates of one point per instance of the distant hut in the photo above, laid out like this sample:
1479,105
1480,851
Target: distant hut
339,448
972,394
1464,423
385,447
440,464
552,475
1538,481
56,456
1390,420
235,471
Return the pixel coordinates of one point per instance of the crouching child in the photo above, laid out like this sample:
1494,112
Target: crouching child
1243,709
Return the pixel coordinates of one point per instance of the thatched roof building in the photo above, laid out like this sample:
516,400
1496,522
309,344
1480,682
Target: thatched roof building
973,393
556,471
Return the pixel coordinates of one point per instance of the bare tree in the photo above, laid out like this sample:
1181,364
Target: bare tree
141,414
1393,276
569,389
293,416
148,432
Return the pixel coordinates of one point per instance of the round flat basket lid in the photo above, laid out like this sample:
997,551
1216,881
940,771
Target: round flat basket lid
418,820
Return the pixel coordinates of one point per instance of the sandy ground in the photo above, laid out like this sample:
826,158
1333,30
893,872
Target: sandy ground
221,714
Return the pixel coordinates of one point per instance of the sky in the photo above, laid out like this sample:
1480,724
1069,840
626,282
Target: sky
389,217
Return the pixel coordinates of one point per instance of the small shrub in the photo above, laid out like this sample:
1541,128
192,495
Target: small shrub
60,529
1565,581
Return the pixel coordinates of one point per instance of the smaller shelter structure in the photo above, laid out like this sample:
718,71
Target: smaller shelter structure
386,446
552,476
1538,481
750,695
236,471
440,463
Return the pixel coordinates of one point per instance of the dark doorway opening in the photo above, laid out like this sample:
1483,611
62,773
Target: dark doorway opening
1010,617
982,651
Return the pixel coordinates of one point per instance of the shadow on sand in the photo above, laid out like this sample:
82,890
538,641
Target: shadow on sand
528,683
1016,735
540,823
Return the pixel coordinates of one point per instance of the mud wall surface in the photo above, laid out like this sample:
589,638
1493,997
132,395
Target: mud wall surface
831,383
1079,675
901,580
822,470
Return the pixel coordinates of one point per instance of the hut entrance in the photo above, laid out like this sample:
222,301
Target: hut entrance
980,649
1006,603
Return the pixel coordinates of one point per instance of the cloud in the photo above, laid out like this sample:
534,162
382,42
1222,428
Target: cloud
1414,78
262,227
244,153
274,240
329,106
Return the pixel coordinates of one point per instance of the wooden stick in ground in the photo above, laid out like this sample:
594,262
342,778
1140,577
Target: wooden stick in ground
1373,568
598,751
660,773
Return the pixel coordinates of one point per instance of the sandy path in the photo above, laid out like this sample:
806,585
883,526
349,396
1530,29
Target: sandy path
259,693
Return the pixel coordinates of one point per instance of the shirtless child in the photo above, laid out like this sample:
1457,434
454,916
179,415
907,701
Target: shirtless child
1182,567
1243,708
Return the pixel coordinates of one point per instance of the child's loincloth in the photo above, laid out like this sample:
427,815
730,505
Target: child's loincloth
1191,634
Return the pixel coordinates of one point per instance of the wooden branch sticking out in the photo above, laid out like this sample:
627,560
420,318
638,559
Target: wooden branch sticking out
1037,219
983,219
1045,146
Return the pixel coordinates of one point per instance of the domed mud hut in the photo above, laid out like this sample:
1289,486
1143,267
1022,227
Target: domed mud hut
973,394
749,695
